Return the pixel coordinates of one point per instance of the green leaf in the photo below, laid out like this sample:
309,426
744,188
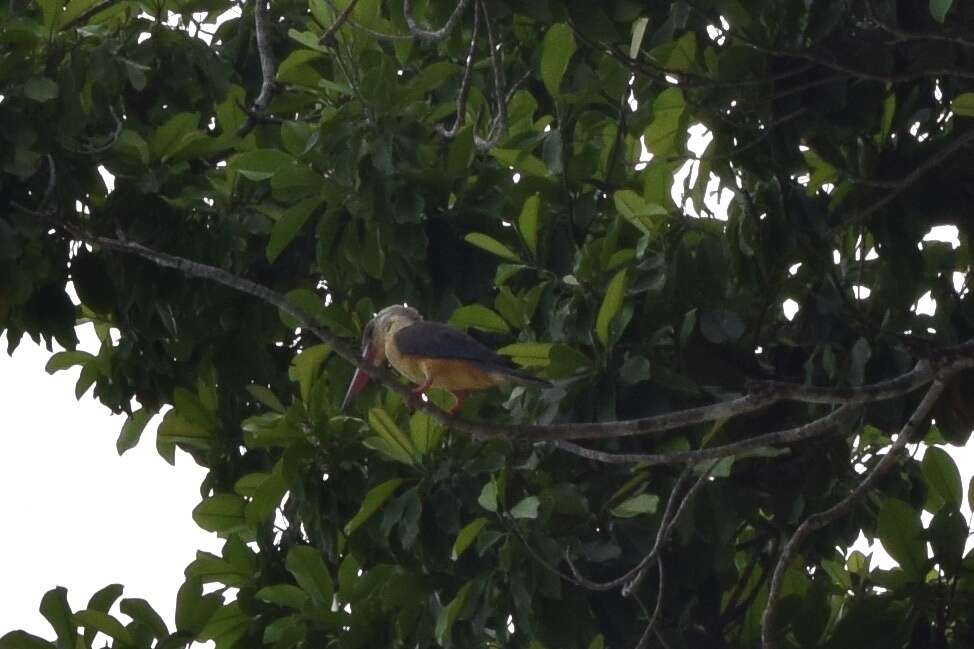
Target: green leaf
425,432
638,32
266,499
383,424
266,396
55,609
101,601
645,216
261,164
661,134
308,568
288,226
170,135
221,513
963,104
635,506
901,534
492,246
557,49
488,497
479,317
528,354
140,611
527,223
448,615
98,621
24,640
611,304
175,429
226,626
41,89
522,161
527,508
132,429
66,360
373,502
283,595
942,476
939,9
467,536
193,609
305,366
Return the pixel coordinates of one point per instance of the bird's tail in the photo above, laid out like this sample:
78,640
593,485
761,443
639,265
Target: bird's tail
523,378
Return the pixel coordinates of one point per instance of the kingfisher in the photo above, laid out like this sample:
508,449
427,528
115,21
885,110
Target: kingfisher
432,355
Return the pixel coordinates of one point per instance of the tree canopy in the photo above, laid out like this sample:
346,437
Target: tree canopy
620,196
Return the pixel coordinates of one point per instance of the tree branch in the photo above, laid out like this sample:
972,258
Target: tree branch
498,125
268,67
651,625
436,34
631,579
339,21
826,517
955,357
903,184
465,82
812,429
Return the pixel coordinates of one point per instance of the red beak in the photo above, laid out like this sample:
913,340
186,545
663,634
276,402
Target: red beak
360,379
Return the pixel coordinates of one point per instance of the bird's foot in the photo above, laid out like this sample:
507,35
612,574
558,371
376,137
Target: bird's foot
459,396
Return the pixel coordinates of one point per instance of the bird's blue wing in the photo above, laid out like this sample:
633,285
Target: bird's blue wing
438,340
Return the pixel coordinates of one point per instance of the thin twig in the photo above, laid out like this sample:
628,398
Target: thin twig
921,170
816,428
339,21
465,82
826,517
498,125
651,625
435,34
87,15
382,36
268,67
629,581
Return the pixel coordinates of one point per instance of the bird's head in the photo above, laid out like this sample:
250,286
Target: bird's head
385,323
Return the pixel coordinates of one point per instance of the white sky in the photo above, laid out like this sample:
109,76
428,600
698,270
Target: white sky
74,513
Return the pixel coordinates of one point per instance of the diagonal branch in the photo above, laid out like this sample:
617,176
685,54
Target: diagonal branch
629,581
816,428
498,125
907,181
436,34
268,68
329,34
952,358
826,517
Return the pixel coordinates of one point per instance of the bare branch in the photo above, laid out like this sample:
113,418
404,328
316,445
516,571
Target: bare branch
465,82
382,36
816,428
436,34
498,126
87,15
268,67
907,181
339,21
651,625
629,581
823,518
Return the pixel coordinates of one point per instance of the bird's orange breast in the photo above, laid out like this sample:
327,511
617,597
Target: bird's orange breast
447,373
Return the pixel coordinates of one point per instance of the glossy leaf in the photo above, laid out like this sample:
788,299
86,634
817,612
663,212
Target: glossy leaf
611,304
557,49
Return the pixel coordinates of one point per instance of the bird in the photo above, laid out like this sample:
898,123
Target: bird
432,355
